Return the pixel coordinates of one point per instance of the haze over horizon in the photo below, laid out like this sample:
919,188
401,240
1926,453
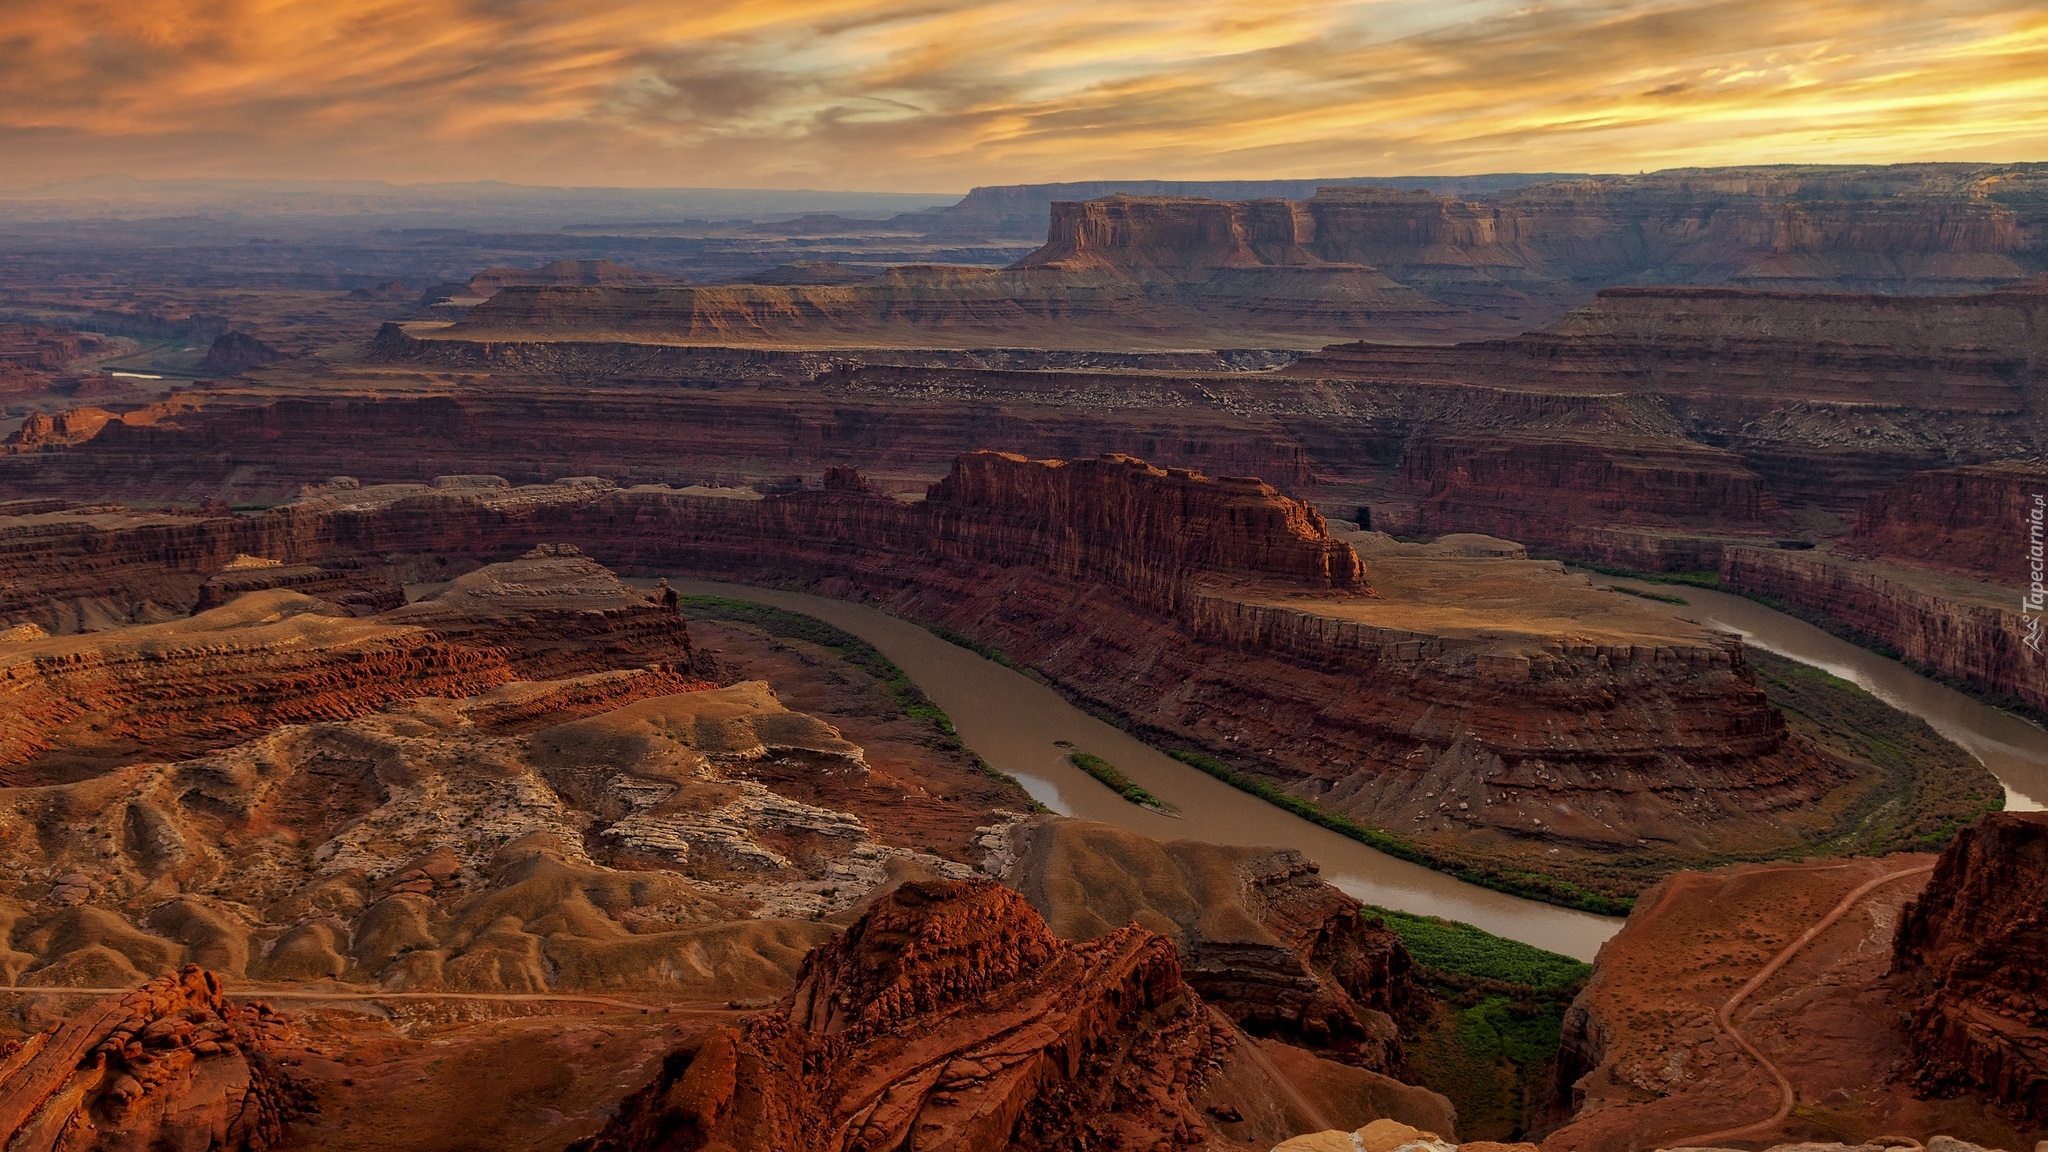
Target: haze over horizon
856,95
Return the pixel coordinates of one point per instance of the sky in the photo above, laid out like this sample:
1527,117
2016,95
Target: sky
932,95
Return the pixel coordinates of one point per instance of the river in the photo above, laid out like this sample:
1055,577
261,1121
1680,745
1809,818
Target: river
1014,722
2014,750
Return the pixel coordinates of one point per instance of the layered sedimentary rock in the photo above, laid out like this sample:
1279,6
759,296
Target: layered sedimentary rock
1573,721
611,831
281,656
1969,953
174,1064
1961,353
33,357
1976,521
1972,631
1261,936
947,1017
1604,497
239,352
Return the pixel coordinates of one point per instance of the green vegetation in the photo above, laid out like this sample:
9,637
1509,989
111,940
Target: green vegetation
1657,596
1695,579
893,681
1533,885
1456,948
1927,788
1118,783
1492,1043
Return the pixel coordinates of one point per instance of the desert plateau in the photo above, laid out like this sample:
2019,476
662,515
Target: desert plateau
556,597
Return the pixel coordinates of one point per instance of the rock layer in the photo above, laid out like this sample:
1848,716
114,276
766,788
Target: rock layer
174,1064
1264,940
946,1017
280,656
1970,953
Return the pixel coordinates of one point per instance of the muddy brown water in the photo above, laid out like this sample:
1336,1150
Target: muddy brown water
2015,750
1015,722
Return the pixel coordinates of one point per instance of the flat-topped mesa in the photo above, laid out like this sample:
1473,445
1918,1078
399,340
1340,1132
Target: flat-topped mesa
1148,530
1971,951
1172,235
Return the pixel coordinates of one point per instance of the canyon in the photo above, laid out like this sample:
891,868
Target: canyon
1549,737
354,766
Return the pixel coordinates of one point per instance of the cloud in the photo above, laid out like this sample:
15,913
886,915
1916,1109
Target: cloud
947,93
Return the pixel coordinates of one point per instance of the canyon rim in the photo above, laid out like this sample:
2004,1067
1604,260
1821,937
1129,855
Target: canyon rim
524,624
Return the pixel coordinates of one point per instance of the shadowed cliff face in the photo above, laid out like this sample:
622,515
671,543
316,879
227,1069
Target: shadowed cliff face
1970,953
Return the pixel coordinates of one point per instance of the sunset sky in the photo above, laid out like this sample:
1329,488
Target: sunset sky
933,95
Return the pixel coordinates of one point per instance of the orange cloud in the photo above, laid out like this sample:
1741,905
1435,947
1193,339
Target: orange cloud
947,93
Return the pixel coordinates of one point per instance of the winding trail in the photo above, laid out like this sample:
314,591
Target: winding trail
1725,1018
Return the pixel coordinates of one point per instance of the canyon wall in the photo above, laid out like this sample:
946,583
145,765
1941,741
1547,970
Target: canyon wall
1969,954
1974,633
1981,352
1975,521
1241,629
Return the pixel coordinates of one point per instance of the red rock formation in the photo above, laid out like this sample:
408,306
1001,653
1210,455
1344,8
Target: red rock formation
1975,521
1973,632
1264,940
1563,493
1231,636
172,1065
1972,953
1122,521
32,357
1966,353
279,657
357,587
950,1016
238,352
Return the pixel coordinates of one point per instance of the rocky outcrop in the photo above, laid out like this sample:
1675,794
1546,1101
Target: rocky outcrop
1571,494
1976,633
1261,936
175,1064
32,357
608,832
1975,521
947,1015
1969,955
1238,631
234,352
362,589
1147,530
281,656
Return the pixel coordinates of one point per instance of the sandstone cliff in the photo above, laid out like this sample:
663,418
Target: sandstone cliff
947,1014
281,656
1978,352
1965,629
1969,953
174,1064
1974,521
1236,631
